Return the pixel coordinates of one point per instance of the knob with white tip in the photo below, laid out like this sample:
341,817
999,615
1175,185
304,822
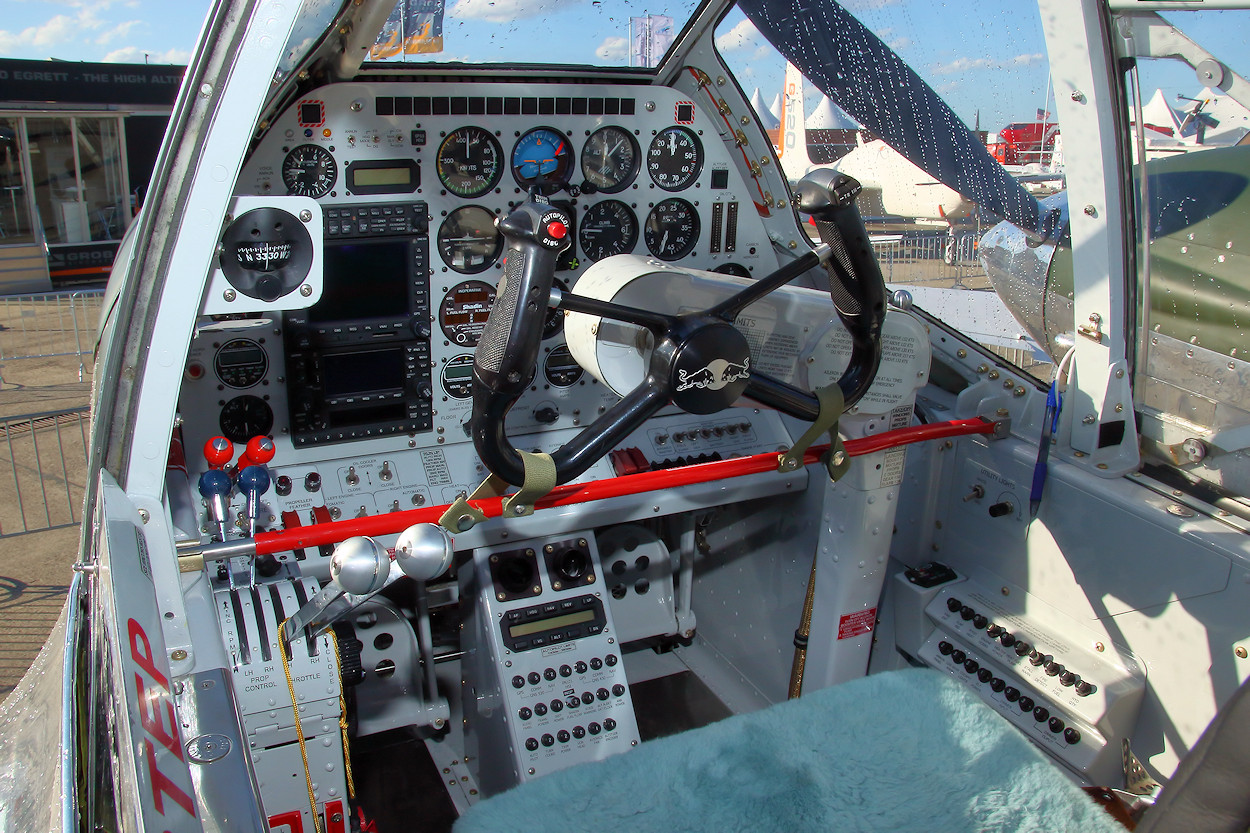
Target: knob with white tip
360,565
423,551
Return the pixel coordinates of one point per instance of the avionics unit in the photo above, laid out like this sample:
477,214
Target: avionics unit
360,356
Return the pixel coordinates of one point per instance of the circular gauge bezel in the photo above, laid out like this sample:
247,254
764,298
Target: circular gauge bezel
455,226
240,375
664,170
624,244
327,172
459,174
460,387
622,175
662,246
553,179
465,333
568,374
245,417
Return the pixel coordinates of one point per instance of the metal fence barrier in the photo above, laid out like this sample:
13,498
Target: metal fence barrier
50,325
45,463
927,257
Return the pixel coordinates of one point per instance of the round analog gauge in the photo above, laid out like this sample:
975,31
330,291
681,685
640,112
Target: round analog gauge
240,363
464,311
470,161
561,369
610,159
672,229
544,157
468,240
309,171
458,376
245,417
674,158
608,228
555,317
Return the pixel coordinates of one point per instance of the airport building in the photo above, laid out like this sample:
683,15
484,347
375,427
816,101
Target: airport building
78,142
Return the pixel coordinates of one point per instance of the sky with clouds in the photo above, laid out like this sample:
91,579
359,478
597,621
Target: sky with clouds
111,31
986,57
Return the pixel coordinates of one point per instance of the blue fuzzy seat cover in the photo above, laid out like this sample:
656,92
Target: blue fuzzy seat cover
902,751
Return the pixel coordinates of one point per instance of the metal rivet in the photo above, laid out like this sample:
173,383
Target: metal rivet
961,353
1119,374
1089,419
1007,383
1241,652
144,516
1006,591
178,656
993,374
1119,409
1090,211
1020,391
1098,646
982,368
1078,96
206,90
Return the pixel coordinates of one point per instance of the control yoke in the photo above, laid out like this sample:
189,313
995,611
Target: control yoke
700,362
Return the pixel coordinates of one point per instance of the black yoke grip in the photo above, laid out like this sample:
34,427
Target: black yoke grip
507,353
855,280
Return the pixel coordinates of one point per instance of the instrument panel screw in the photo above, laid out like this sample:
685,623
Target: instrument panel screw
1006,591
549,549
1241,652
1090,211
144,516
1078,96
229,295
961,353
839,457
982,368
1089,419
993,374
1020,391
1002,412
206,90
178,655
650,108
1007,383
1119,408
1119,373
1099,647
306,216
306,290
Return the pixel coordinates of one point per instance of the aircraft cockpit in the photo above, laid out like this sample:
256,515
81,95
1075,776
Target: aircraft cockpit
500,395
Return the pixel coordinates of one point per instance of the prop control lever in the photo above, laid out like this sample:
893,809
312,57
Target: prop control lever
215,487
360,567
253,482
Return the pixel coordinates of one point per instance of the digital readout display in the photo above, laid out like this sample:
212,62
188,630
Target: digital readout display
372,177
363,371
363,280
555,622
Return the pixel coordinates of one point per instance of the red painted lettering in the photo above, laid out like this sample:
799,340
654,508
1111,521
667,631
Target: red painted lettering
144,660
162,785
152,721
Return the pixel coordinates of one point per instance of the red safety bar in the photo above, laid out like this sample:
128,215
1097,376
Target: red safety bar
392,523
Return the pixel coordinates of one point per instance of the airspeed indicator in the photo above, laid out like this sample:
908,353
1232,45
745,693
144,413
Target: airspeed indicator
470,161
674,158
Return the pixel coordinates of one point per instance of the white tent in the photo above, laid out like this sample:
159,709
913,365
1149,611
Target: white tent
767,118
827,116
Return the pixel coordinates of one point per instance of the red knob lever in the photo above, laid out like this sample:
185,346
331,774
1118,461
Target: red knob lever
218,452
259,451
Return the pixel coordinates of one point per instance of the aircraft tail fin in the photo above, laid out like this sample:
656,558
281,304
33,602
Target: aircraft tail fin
793,145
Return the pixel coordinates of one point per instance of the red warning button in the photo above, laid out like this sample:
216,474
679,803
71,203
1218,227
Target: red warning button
557,229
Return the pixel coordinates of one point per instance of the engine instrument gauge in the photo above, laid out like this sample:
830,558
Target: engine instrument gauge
470,161
561,369
464,311
543,157
674,158
468,240
240,363
458,376
309,171
610,159
608,228
672,229
245,417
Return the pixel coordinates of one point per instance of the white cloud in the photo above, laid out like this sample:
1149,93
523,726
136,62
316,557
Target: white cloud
966,64
744,35
613,50
899,44
121,30
58,30
503,11
135,55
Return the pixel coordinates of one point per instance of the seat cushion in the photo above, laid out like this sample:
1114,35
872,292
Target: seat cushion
905,750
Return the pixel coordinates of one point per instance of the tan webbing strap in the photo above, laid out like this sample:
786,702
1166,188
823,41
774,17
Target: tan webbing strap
826,421
540,478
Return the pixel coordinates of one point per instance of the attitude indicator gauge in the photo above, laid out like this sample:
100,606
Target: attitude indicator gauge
309,171
468,241
674,158
608,228
470,161
543,157
610,159
672,229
